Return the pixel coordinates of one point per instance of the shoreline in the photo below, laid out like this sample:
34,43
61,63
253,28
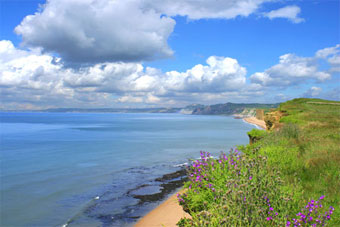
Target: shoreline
168,213
255,121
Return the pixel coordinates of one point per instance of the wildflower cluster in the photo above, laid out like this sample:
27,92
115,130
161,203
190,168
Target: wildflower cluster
312,215
271,211
232,187
240,190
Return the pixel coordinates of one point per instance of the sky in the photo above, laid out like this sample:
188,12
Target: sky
166,53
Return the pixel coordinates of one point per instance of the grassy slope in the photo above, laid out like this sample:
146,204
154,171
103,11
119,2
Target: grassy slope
307,149
305,154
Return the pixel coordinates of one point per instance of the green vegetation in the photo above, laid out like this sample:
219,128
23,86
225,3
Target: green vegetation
307,149
236,190
279,180
256,135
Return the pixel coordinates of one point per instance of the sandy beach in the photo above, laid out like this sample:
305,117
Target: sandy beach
255,121
167,214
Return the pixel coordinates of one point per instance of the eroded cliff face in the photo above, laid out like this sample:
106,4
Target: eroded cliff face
272,120
259,114
247,112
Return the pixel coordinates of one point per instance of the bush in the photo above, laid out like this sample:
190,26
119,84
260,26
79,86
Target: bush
255,135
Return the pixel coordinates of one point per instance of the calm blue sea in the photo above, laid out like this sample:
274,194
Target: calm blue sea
77,168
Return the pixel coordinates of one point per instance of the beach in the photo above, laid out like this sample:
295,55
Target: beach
255,121
166,214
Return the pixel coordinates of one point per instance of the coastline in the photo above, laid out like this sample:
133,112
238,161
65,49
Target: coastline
255,121
168,213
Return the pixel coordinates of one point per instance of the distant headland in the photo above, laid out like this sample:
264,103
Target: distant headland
240,110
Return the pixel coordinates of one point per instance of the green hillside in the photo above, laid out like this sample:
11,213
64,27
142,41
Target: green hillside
307,148
281,179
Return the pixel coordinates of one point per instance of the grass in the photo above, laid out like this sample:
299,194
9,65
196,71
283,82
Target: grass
311,140
282,178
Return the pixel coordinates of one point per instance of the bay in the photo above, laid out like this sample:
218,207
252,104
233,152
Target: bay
77,168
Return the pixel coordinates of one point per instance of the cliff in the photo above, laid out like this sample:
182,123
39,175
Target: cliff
272,120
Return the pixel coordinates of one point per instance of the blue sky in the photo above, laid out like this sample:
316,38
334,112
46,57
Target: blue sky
143,53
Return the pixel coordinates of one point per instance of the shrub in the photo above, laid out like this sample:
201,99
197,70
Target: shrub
255,135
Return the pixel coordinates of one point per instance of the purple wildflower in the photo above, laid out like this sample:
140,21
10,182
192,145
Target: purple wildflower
269,218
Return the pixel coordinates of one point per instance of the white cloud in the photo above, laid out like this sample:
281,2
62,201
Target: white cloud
37,78
326,52
97,31
332,55
294,70
130,99
261,78
32,79
94,31
334,60
28,77
220,74
288,12
22,68
291,70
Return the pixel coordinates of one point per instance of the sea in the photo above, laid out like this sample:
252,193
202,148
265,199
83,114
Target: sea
88,169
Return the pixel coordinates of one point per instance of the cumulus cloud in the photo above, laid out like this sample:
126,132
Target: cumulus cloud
326,52
335,63
34,77
220,74
149,99
30,77
294,70
332,55
93,31
291,70
97,31
288,12
312,92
